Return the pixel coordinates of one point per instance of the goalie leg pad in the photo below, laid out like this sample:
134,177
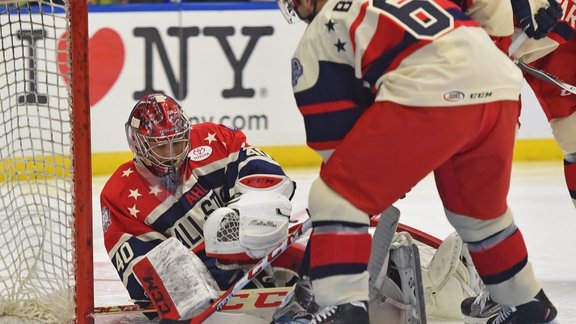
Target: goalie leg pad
449,278
401,296
176,280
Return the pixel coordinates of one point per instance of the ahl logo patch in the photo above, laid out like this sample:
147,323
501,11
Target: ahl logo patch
106,220
200,153
454,96
297,71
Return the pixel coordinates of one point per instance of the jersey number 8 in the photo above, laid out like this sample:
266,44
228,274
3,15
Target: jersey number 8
422,19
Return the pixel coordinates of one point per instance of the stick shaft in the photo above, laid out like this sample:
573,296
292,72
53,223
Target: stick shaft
255,270
542,75
545,76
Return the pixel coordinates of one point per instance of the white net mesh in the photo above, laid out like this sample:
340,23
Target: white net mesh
36,232
229,228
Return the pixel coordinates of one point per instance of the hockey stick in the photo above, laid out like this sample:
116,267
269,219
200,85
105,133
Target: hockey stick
249,300
545,76
542,75
219,303
515,45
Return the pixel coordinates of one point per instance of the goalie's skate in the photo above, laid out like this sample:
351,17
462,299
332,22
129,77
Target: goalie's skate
298,306
477,310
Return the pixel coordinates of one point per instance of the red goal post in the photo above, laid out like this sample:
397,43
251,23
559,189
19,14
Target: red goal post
46,267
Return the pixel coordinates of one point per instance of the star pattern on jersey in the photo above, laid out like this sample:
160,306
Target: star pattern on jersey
210,138
155,190
127,172
330,25
133,211
134,193
340,45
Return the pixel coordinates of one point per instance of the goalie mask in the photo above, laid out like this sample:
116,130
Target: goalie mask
158,133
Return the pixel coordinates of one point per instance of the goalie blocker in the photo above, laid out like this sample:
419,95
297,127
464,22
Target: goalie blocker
177,282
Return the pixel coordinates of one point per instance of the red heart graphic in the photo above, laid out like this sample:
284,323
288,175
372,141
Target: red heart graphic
106,57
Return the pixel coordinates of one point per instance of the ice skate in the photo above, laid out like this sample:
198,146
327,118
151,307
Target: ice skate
477,310
349,313
538,310
298,306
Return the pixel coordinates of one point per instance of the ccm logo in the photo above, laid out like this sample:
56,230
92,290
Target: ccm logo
261,181
264,299
481,95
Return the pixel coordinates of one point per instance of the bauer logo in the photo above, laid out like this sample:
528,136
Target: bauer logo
454,96
200,153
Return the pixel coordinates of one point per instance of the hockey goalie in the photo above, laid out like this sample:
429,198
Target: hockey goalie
193,195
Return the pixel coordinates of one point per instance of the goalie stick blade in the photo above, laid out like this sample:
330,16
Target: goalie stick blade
542,75
381,241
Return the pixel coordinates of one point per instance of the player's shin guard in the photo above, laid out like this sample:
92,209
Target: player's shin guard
339,248
400,295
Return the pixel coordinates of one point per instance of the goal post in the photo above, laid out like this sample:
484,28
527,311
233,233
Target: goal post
46,266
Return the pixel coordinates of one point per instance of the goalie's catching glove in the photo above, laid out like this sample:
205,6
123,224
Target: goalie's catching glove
255,223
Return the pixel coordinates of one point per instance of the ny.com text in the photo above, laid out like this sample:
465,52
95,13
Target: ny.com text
243,122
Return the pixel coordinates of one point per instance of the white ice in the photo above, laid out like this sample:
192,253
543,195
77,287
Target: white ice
538,198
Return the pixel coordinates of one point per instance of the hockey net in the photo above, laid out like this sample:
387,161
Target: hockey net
45,180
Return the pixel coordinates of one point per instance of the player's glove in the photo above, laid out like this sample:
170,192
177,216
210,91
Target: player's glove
536,17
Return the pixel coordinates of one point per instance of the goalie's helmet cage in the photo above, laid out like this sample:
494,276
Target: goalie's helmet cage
158,133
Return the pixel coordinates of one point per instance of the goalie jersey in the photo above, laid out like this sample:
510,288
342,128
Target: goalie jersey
414,53
138,213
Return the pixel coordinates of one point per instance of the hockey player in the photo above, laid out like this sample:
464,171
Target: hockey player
185,185
558,105
391,91
555,54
